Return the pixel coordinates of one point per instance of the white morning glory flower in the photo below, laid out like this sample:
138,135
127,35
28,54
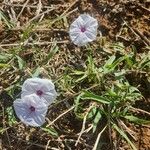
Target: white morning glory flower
83,30
31,110
43,88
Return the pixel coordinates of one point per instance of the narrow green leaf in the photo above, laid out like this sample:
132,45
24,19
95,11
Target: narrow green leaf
90,96
110,61
53,51
122,133
5,19
111,64
92,113
96,120
5,57
4,65
81,78
51,131
65,21
21,62
76,72
36,72
11,117
137,120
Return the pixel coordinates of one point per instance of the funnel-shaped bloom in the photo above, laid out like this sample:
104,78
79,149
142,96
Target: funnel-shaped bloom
31,110
83,30
43,88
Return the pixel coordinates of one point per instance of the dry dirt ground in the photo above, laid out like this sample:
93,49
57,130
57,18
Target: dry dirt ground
125,21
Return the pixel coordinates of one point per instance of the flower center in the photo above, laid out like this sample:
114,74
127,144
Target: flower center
39,92
83,29
32,108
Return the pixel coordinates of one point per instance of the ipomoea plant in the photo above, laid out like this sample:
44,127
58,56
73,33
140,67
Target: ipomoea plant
83,30
31,110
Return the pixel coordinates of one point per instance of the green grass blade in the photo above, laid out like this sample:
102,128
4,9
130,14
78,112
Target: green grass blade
137,120
51,131
91,96
21,62
96,120
5,19
122,133
4,65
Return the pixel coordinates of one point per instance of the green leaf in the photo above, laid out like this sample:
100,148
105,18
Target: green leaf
91,65
11,117
81,78
5,57
122,133
36,72
2,130
137,120
90,96
96,120
119,47
65,21
76,72
145,62
4,65
52,52
92,113
5,19
110,61
21,62
27,32
129,61
111,64
51,131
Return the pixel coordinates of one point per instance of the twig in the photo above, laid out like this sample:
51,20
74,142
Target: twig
83,125
147,126
39,30
136,71
69,7
138,33
144,8
129,131
31,143
98,138
39,8
63,14
60,116
39,15
22,9
82,130
142,36
51,10
46,148
31,6
31,44
7,135
109,126
140,110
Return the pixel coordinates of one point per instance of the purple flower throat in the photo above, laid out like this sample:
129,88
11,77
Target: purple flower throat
83,29
32,108
39,92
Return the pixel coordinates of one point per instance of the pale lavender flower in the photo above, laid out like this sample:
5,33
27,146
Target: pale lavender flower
31,110
43,88
83,30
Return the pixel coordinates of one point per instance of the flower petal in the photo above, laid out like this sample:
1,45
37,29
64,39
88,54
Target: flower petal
81,37
45,86
50,97
23,112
